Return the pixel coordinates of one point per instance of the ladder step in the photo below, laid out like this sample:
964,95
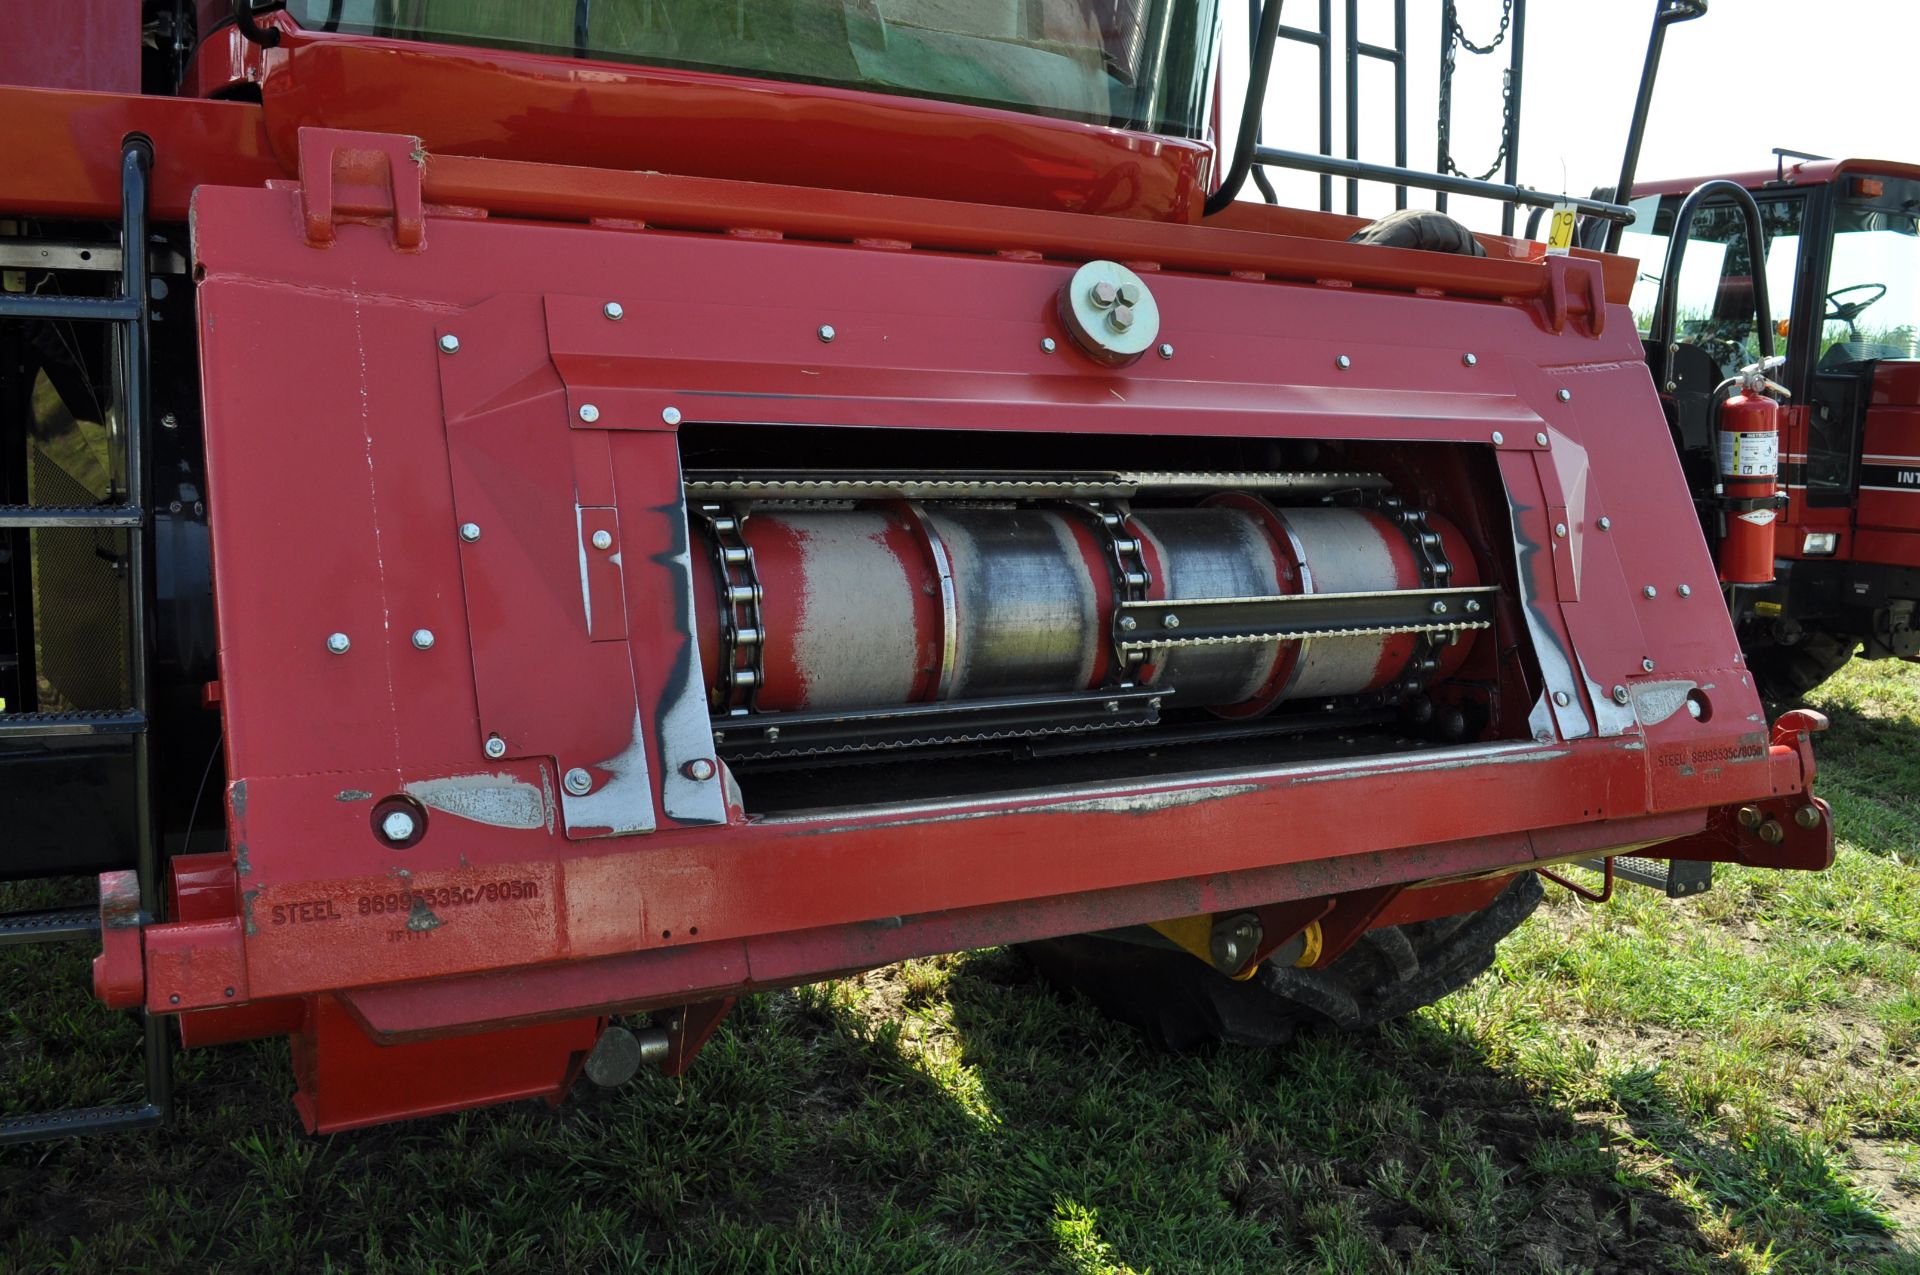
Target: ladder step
45,516
119,721
77,1120
49,925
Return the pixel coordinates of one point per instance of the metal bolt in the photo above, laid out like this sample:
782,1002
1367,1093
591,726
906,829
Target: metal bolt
173,998
1229,954
1651,592
1129,294
397,826
1771,832
1498,438
826,333
1606,524
1469,359
1113,706
671,415
1103,294
1473,606
1171,620
1560,529
1619,694
169,421
578,782
699,768
1342,362
1646,666
496,747
1120,318
1748,816
469,531
1046,345
1540,439
338,643
589,413
614,310
1565,396
603,540
1686,590
1562,698
423,639
1166,351
1439,608
1128,623
1807,816
449,344
773,734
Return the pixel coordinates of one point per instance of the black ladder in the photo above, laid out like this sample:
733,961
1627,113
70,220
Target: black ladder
127,312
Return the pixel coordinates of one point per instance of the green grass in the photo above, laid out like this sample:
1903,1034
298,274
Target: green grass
1728,1084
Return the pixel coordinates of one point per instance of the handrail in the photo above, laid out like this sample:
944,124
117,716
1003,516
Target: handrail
1667,14
1666,313
1437,181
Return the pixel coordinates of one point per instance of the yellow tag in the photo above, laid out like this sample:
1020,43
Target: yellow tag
1560,233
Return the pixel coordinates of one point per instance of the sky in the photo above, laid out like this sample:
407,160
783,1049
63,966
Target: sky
1833,78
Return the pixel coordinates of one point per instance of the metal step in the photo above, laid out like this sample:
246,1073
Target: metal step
1677,878
49,925
119,721
119,1118
50,516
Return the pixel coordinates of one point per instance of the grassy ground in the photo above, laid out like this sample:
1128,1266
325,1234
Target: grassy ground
1728,1084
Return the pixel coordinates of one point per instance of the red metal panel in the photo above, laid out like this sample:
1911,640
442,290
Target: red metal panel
76,44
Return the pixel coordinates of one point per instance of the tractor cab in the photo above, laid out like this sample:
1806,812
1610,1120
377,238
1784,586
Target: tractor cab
1834,294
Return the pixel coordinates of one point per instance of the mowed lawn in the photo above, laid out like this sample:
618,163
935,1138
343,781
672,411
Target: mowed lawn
1730,1083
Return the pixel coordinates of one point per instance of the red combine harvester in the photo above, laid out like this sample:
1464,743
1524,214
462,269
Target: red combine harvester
643,503
1831,567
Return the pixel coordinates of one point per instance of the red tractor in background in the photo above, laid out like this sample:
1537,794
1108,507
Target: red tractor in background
1837,294
521,514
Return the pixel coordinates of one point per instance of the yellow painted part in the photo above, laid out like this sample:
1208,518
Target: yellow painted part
1192,933
1766,608
1311,953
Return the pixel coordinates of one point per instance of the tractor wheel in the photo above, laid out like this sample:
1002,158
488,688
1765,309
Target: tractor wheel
1784,674
1178,1002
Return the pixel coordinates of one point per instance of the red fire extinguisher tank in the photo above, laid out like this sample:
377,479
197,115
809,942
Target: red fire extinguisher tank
1750,478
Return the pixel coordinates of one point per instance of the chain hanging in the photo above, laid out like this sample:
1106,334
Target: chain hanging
1457,39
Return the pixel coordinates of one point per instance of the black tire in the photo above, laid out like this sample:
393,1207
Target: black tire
1178,1002
1784,674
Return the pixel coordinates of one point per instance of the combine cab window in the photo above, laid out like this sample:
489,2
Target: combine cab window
1130,63
1716,311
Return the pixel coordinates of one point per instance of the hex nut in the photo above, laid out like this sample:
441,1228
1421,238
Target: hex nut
614,310
423,639
1166,350
449,344
827,334
578,782
398,826
338,643
1807,816
469,531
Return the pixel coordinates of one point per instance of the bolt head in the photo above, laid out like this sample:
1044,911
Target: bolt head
1498,438
1473,606
496,747
1171,620
1439,608
589,413
1120,318
603,540
1562,698
1686,590
1772,833
1606,524
614,310
1565,396
1540,439
1748,816
1046,345
449,343
671,415
1646,666
1808,816
700,768
1113,706
1103,294
1619,694
827,333
1651,592
1342,362
469,531
1128,623
423,639
397,826
1560,529
578,782
1166,351
1469,359
1129,294
338,643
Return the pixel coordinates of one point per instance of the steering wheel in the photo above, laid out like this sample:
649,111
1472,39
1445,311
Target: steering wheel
1846,312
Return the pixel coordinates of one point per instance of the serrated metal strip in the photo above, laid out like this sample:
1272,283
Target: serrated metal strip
1371,630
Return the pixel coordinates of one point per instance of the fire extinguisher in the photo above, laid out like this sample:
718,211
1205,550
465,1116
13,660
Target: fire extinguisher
1750,474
